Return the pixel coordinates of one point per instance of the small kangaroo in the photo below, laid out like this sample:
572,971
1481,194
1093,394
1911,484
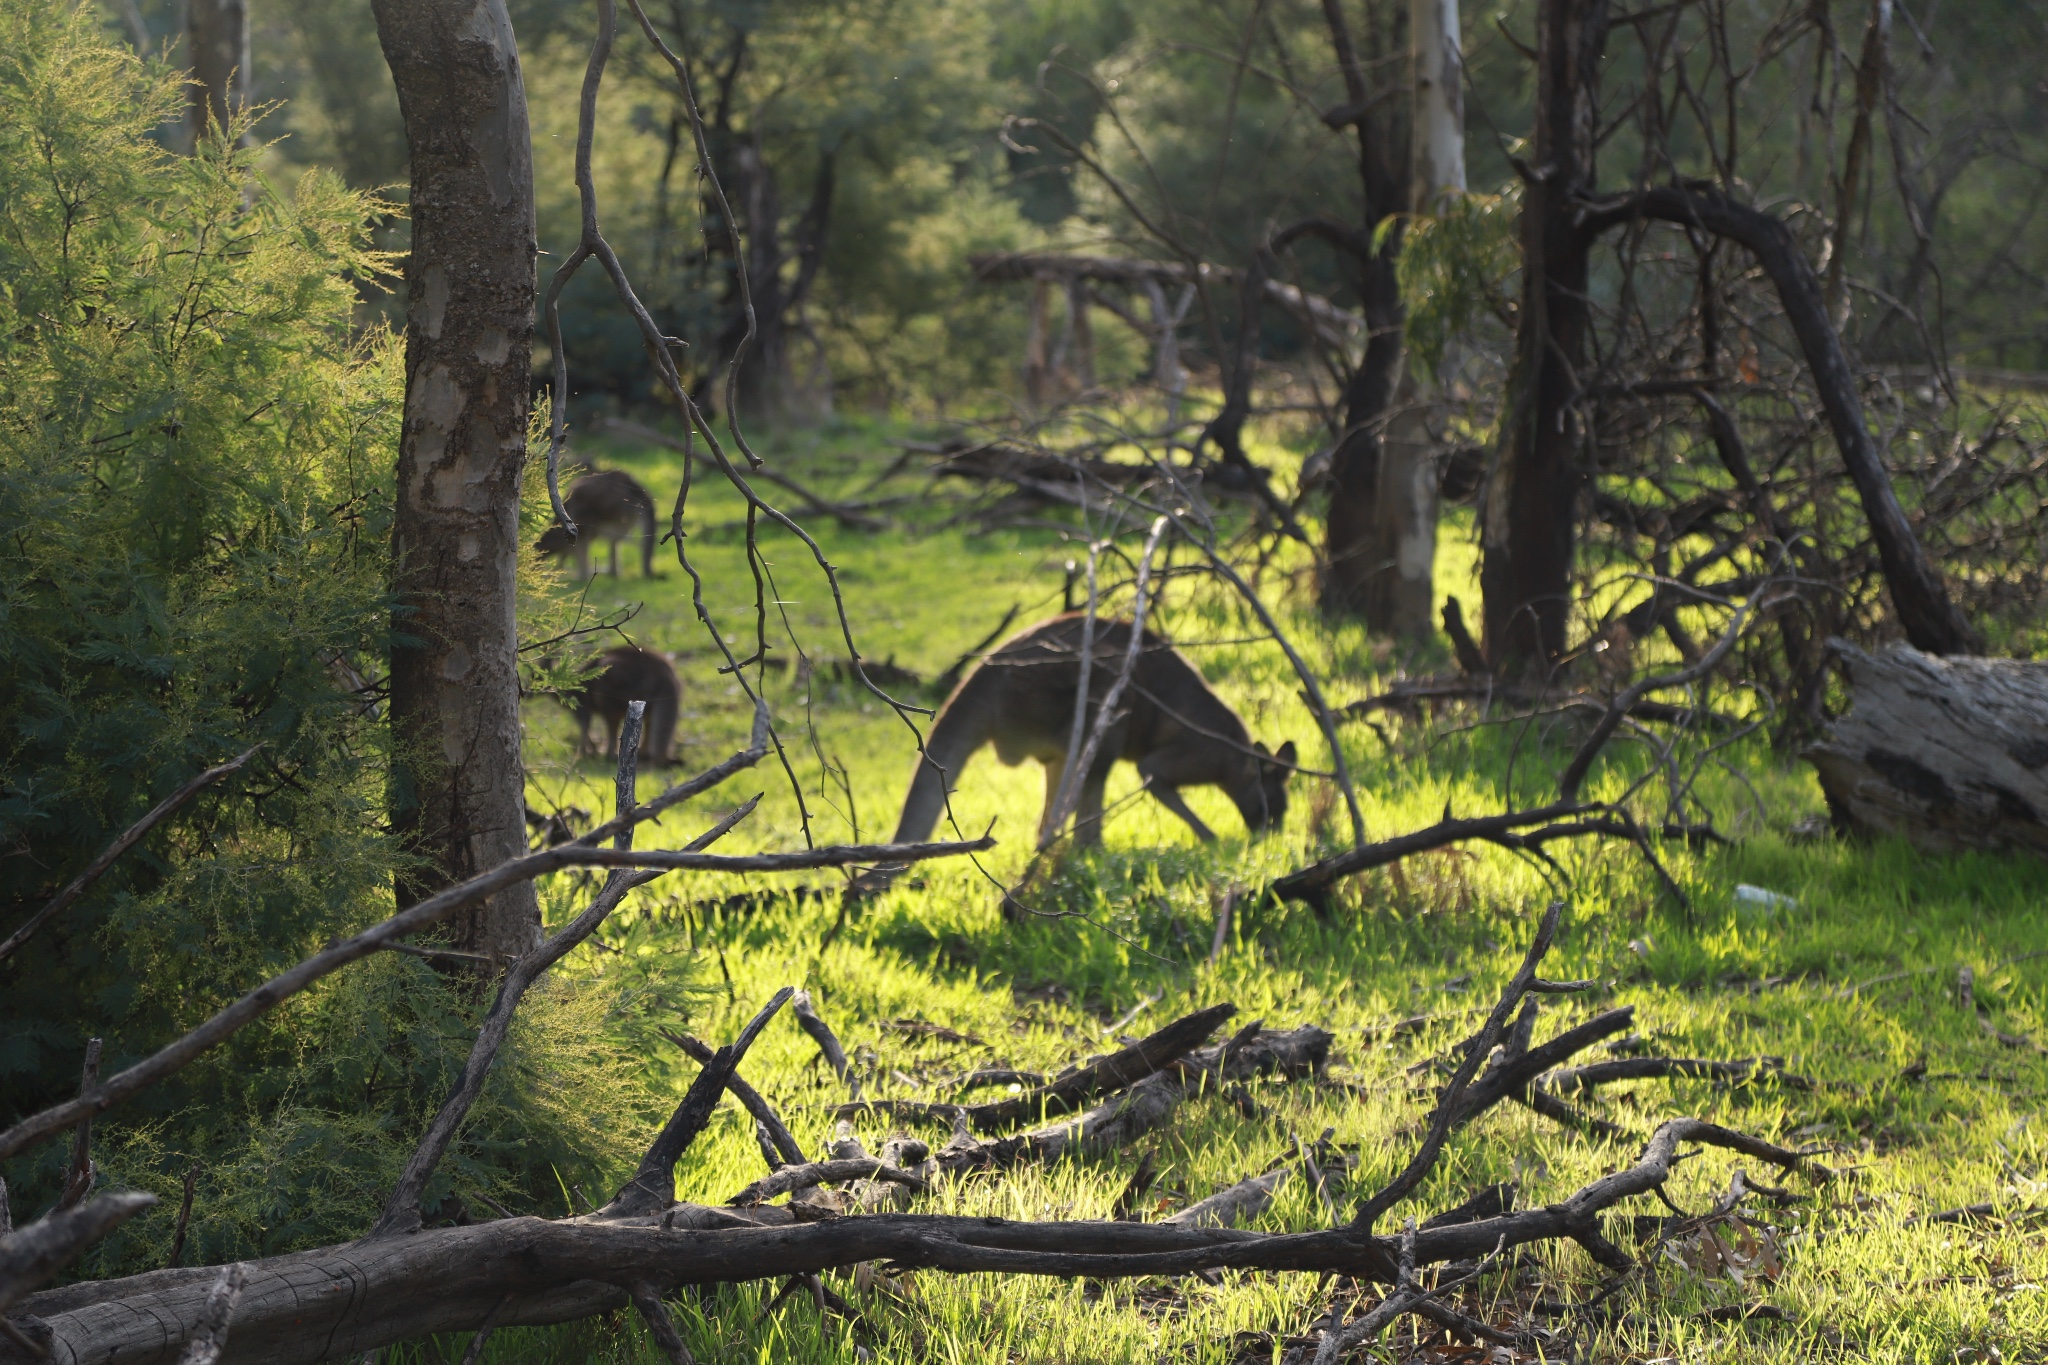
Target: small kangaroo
608,505
630,674
1178,731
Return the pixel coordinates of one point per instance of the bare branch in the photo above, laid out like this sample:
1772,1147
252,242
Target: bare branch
32,1256
210,1337
425,914
653,1186
809,1020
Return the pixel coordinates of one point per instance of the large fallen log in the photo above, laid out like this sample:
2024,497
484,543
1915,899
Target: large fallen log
1951,753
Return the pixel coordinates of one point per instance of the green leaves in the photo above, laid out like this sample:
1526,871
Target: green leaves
1459,267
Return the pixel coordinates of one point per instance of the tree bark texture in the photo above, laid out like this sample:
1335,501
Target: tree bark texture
1362,546
217,37
1528,517
1950,753
458,789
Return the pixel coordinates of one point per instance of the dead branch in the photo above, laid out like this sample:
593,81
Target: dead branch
433,910
821,1033
31,1256
1068,1091
823,1173
780,1138
529,1271
78,1180
210,1336
1227,1208
1587,1077
653,1186
78,885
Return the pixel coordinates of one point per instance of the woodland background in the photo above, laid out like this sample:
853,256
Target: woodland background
205,384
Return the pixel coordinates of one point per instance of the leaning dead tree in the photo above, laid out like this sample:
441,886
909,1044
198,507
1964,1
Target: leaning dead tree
645,1244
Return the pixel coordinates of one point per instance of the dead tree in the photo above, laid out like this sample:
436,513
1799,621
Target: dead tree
1530,509
1361,546
458,793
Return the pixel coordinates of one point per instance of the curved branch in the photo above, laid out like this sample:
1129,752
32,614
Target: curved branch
1930,617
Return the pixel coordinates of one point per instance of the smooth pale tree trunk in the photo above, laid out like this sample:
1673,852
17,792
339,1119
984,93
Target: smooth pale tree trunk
217,38
458,788
1400,597
1527,519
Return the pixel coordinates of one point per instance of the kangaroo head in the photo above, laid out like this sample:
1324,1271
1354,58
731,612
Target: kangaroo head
1261,798
556,540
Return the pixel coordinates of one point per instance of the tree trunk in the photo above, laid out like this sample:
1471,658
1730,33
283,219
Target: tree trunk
1950,753
1363,537
765,381
217,37
458,788
1360,555
1398,546
1528,518
1437,132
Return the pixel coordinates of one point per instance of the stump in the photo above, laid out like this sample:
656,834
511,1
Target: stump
1951,753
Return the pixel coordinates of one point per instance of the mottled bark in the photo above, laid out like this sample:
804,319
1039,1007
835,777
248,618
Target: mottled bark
458,787
1529,515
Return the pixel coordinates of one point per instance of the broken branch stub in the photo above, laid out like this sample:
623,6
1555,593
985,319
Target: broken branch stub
653,1186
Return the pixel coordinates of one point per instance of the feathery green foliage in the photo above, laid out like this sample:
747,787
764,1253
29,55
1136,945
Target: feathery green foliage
196,446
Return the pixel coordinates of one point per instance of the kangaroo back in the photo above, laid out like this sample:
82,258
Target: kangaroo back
608,505
633,674
1169,722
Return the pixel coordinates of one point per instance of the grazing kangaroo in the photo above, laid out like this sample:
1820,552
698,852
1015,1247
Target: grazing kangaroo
608,505
630,674
1178,732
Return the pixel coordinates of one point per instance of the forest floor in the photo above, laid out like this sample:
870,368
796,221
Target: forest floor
1916,1102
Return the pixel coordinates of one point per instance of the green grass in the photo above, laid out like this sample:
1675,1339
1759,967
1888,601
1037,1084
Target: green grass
1918,1106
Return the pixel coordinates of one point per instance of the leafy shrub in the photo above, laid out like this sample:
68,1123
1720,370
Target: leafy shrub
196,446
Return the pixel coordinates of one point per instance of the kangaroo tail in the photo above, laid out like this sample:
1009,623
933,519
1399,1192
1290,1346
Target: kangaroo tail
960,730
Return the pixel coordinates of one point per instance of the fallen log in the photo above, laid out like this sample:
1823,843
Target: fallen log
1950,753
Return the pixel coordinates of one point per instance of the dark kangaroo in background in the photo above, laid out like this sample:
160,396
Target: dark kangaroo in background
630,674
608,505
1178,731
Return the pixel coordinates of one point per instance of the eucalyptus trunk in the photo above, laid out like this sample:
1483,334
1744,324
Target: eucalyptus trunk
1528,517
457,795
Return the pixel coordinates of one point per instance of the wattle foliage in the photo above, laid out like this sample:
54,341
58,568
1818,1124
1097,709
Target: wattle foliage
196,446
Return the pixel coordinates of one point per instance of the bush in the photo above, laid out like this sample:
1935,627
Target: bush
196,446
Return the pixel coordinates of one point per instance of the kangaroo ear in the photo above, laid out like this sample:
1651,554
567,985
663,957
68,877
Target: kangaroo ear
1259,747
1286,754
